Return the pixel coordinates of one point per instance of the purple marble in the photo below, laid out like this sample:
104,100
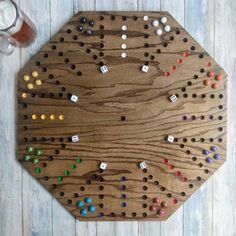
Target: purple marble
209,160
205,152
213,148
217,156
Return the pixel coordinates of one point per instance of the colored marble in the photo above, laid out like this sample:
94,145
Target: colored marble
37,170
91,208
27,158
211,74
205,152
156,200
73,166
213,148
164,204
91,23
88,200
160,212
38,152
35,74
83,20
217,156
219,77
101,214
80,28
153,208
209,160
29,149
83,212
59,178
88,32
35,161
79,204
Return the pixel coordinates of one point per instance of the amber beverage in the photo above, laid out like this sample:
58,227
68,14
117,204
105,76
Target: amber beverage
14,22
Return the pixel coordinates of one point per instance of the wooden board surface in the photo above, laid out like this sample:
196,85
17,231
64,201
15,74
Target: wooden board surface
122,117
205,21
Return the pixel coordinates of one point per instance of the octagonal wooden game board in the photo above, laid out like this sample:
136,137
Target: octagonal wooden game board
122,116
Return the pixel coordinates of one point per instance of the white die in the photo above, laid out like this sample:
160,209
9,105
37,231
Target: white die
170,138
75,138
103,165
142,165
145,68
74,98
104,69
173,98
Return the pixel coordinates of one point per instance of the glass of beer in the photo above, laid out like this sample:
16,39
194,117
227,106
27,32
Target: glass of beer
14,22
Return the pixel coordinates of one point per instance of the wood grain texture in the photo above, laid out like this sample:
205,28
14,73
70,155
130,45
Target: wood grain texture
174,226
61,13
87,228
223,181
148,228
67,66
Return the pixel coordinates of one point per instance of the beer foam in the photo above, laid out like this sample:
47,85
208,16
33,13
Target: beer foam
7,14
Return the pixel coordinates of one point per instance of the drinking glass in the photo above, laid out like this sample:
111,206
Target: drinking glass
14,22
7,43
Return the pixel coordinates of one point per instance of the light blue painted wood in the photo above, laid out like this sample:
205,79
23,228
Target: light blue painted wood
10,170
149,5
37,202
224,181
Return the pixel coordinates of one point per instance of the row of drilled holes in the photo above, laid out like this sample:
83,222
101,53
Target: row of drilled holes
194,95
202,117
202,140
63,89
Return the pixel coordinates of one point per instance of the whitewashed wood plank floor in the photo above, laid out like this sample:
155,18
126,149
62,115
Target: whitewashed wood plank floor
26,209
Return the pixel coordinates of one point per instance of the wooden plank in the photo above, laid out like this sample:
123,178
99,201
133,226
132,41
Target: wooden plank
63,222
10,170
176,8
224,181
105,228
37,202
83,5
149,5
199,21
149,228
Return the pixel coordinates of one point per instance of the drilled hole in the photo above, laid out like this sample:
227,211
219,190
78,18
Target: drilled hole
122,118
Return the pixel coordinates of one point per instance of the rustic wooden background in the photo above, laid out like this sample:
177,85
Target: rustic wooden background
27,209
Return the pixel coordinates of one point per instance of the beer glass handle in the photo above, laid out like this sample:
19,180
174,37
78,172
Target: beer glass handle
7,43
